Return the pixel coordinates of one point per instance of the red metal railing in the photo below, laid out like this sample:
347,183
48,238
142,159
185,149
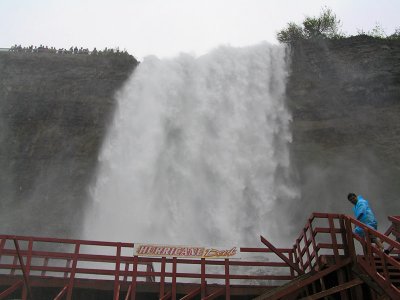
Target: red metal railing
71,260
383,268
332,235
27,260
327,244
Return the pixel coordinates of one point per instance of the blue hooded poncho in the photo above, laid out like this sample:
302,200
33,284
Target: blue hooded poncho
364,214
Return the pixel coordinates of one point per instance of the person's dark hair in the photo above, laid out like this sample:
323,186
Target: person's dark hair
351,195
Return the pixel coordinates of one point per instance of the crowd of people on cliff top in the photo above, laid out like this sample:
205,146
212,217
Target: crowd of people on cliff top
72,50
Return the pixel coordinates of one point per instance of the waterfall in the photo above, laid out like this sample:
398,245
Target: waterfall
197,152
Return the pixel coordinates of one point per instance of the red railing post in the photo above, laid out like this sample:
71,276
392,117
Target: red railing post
28,265
333,239
350,241
296,258
117,268
2,244
307,248
45,263
371,252
315,249
341,275
134,277
292,259
73,270
174,267
343,235
162,277
300,256
14,265
227,281
203,278
67,265
21,262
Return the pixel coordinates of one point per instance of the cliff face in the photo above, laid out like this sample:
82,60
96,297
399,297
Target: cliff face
344,97
54,111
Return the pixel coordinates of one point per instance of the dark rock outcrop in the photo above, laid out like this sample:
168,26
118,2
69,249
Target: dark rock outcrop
54,111
344,96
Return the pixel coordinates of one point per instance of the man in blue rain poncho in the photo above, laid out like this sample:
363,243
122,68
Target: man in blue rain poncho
364,214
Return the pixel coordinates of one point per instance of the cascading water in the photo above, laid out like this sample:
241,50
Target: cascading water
196,152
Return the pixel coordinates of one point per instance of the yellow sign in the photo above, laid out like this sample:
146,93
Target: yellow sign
184,251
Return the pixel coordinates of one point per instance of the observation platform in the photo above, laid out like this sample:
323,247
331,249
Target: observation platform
327,261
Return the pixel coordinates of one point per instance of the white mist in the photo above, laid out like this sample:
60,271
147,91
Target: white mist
194,149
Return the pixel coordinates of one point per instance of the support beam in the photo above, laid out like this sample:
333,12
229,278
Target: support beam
128,293
334,290
301,282
281,256
192,294
21,263
61,293
166,296
386,285
11,289
216,294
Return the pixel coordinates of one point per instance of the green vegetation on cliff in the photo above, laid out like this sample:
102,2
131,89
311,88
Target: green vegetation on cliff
325,26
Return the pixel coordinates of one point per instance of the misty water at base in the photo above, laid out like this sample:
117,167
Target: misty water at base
197,152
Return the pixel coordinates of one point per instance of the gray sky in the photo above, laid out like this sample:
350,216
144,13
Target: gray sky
167,27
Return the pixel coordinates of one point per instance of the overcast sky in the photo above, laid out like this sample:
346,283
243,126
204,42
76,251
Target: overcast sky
167,27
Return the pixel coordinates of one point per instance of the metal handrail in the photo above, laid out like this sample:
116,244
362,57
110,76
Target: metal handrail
333,239
115,265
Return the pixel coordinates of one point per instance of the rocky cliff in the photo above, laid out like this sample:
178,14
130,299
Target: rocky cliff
54,111
344,96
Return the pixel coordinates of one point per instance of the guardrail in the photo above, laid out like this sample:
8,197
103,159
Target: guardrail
327,245
326,240
71,260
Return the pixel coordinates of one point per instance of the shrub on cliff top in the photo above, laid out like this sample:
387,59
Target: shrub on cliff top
395,35
379,32
325,26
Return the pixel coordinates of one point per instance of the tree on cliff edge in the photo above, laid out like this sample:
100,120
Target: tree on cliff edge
325,26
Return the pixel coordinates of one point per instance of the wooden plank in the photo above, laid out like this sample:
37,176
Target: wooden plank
192,294
216,294
334,290
300,282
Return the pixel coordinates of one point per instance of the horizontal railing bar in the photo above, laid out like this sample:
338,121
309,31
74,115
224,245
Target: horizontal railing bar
326,215
329,246
326,230
129,259
258,250
67,241
223,276
146,274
